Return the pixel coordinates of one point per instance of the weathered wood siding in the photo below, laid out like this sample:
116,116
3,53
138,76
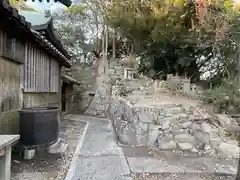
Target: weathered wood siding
54,76
37,70
42,99
10,85
10,94
41,79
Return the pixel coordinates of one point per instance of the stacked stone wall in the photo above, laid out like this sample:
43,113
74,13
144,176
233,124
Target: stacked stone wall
172,127
168,126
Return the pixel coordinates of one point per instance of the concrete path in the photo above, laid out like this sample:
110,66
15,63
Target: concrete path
98,157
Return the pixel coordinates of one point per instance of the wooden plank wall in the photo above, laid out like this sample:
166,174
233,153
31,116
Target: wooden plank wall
55,76
9,96
9,82
9,92
41,99
41,72
10,85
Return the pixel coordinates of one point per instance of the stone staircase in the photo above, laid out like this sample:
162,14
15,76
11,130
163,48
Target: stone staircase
161,120
154,163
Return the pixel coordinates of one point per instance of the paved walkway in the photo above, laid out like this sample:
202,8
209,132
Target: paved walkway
98,157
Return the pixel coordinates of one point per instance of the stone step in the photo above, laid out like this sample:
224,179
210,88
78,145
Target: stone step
182,165
58,148
153,160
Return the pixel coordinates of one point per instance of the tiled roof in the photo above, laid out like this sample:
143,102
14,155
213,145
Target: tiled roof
41,23
12,16
46,41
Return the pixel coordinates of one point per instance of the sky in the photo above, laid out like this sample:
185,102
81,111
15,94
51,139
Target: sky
55,7
41,6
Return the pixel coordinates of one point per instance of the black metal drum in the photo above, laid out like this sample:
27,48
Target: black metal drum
39,126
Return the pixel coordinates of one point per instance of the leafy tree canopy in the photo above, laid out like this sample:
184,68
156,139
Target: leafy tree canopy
174,34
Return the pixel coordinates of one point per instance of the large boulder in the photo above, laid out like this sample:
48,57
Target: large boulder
227,150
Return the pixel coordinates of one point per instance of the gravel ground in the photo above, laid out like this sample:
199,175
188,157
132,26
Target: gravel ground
137,151
46,166
178,177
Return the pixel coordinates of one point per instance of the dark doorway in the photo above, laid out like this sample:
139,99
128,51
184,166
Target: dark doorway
64,97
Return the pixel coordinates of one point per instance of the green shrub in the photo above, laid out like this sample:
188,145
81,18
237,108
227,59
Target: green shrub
226,96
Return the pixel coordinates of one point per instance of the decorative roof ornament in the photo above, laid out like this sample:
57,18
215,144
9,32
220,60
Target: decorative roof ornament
47,13
43,23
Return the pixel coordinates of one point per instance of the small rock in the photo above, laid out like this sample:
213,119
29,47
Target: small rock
210,152
207,148
29,154
159,119
205,127
166,125
176,130
224,120
215,142
123,139
184,138
228,150
109,127
234,142
17,162
201,138
185,125
168,145
145,116
183,118
196,127
194,150
153,134
225,170
176,110
185,146
142,126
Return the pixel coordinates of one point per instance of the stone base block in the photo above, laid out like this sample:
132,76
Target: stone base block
58,148
29,154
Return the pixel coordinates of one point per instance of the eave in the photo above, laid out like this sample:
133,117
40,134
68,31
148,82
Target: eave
47,31
13,22
69,80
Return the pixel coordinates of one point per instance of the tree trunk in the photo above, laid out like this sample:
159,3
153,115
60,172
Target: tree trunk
114,45
107,62
238,66
97,27
103,41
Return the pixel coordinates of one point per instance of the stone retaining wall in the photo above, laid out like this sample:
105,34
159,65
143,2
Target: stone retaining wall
172,127
168,126
86,75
